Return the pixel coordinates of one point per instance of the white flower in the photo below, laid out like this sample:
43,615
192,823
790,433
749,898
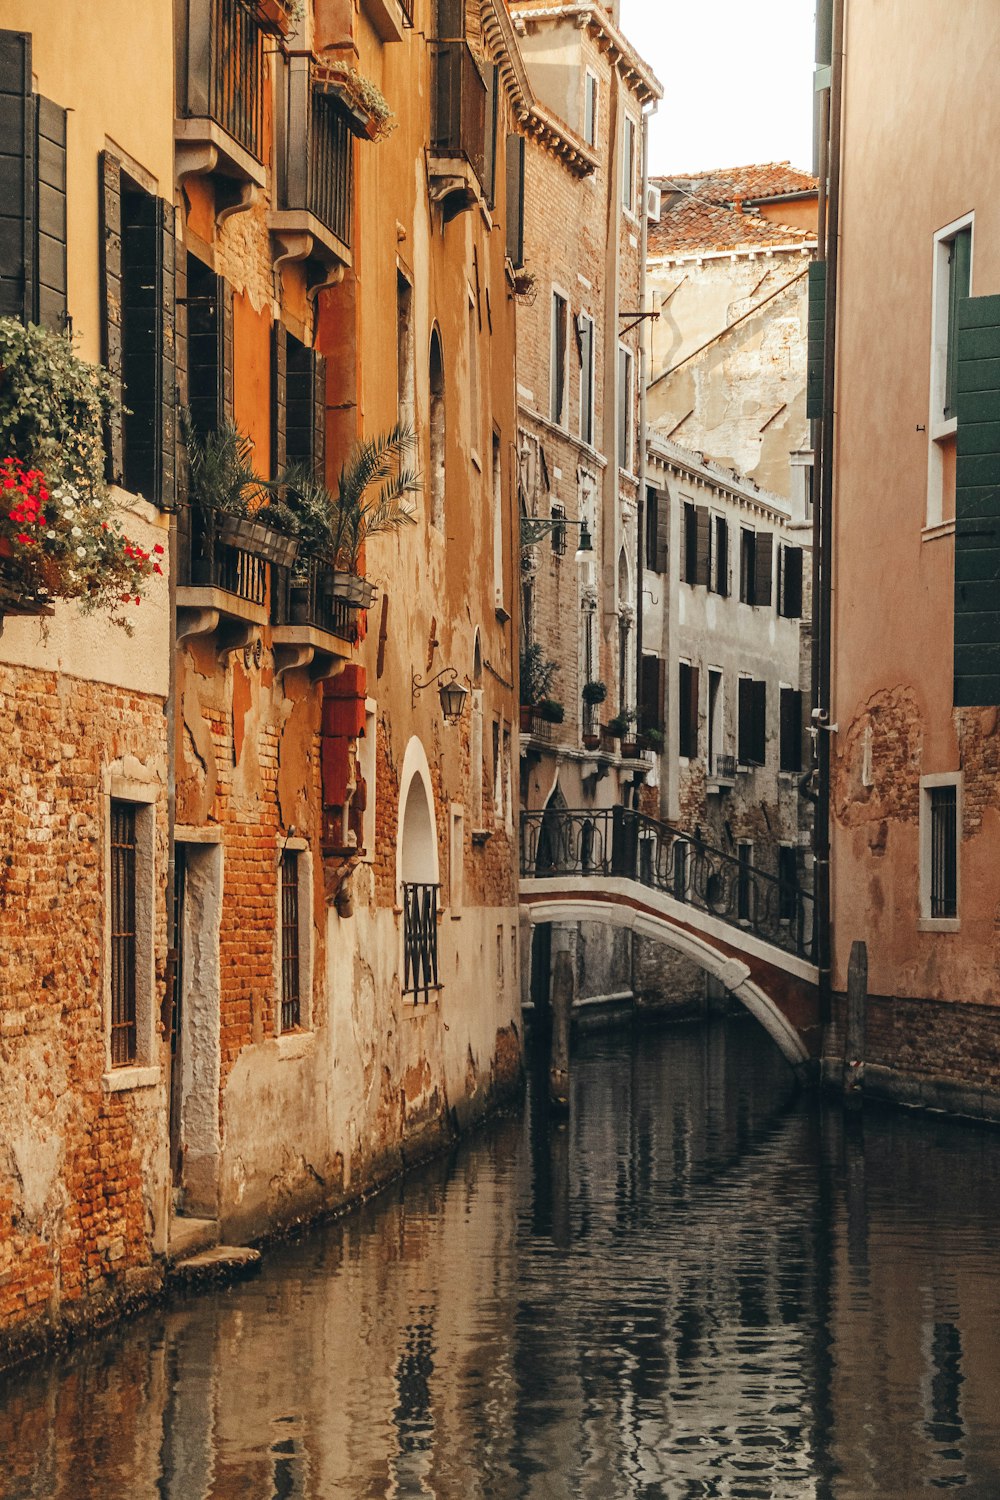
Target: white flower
81,551
76,531
50,535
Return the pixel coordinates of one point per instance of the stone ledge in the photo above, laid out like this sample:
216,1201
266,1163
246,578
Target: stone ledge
220,1263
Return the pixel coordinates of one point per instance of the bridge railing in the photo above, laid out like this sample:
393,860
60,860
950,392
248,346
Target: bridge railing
618,842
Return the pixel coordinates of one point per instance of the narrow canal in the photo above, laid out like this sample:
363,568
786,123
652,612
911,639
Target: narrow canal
703,1285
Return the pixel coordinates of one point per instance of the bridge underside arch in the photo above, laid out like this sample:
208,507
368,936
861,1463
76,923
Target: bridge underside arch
784,1003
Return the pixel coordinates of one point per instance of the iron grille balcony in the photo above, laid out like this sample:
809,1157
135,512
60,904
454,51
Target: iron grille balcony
724,767
420,941
303,595
224,69
206,561
458,125
330,166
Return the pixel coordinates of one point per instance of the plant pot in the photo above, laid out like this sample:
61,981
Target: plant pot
526,717
6,547
257,539
630,749
591,741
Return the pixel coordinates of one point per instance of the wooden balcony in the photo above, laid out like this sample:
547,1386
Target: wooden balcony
456,164
315,172
219,129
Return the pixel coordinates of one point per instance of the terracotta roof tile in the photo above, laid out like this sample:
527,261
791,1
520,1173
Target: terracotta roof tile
704,210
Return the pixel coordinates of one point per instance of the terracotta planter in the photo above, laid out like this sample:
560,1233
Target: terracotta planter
591,741
526,717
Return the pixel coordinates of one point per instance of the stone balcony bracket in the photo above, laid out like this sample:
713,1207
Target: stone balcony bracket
234,622
204,149
299,236
306,646
452,183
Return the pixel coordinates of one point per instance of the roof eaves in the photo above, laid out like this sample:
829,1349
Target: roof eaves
635,72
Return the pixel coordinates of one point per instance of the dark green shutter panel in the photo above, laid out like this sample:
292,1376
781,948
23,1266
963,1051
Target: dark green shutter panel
109,187
650,710
816,339
758,712
17,178
51,216
763,566
977,505
200,326
703,545
662,531
515,200
791,582
959,286
745,720
450,19
141,358
224,334
167,495
721,579
490,154
279,397
790,730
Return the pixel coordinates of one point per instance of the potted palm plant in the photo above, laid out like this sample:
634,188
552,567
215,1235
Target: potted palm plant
247,512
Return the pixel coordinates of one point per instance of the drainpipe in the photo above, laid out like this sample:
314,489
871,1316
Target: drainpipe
641,376
823,527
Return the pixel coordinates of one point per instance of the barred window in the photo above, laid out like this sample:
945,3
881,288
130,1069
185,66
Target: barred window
123,934
291,1001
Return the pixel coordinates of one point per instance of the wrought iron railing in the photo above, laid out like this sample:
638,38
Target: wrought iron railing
458,123
406,6
225,69
303,595
617,842
208,562
420,941
723,766
331,166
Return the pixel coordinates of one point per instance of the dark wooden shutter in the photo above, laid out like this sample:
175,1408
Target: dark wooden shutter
816,338
50,308
790,730
763,567
318,414
490,154
662,532
279,397
688,710
690,543
758,731
167,495
977,504
720,581
744,736
110,194
450,19
703,545
791,582
651,706
515,200
17,178
141,367
224,334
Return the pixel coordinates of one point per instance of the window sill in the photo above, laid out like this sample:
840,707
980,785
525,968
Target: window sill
414,1008
293,1044
118,1080
942,528
939,924
946,428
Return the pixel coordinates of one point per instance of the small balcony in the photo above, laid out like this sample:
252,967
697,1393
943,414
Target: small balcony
457,157
721,773
220,125
312,625
315,171
222,586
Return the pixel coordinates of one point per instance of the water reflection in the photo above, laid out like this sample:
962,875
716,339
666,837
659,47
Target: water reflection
701,1285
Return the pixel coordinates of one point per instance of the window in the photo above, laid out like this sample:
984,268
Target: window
719,581
756,566
559,531
557,393
456,861
790,729
590,108
653,683
951,285
291,994
124,965
305,414
940,823
498,584
628,164
405,360
437,432
367,780
657,536
585,327
715,722
790,582
959,251
625,412
33,250
752,728
420,941
747,553
687,713
490,153
209,308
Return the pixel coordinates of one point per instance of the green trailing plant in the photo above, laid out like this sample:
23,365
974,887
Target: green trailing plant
551,711
618,726
537,675
594,692
54,406
655,739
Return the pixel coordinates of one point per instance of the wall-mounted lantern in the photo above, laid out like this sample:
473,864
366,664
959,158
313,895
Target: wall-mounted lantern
451,692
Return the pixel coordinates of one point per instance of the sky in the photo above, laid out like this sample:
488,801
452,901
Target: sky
737,80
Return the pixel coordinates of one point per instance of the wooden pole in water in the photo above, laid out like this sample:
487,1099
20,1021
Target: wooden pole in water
563,990
857,1006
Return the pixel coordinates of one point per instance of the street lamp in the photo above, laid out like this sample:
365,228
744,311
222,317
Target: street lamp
451,692
533,528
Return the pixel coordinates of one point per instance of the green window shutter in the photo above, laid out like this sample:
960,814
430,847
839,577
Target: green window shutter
50,308
110,199
167,495
279,397
225,392
515,200
141,363
744,721
17,178
959,286
816,339
763,567
977,504
759,722
703,546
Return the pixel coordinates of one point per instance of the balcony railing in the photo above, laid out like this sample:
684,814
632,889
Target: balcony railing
458,124
225,69
330,166
723,767
406,6
420,941
303,595
208,562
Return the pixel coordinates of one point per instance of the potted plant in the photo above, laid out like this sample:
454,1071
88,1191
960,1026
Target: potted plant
368,111
247,512
617,727
551,711
537,676
594,693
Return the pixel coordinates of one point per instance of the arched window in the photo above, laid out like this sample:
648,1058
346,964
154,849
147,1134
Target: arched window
437,456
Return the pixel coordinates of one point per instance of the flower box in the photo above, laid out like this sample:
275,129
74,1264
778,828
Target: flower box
257,539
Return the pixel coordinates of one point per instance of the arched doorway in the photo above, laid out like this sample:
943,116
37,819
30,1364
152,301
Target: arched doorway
417,875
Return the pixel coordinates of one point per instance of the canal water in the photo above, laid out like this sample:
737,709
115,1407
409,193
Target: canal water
702,1285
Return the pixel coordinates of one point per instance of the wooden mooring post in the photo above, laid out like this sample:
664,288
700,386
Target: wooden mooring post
562,995
857,1008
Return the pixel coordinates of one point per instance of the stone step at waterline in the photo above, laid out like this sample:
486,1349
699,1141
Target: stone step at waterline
188,1236
219,1263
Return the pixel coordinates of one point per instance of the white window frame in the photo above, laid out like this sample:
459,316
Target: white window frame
925,922
630,136
940,427
591,88
300,848
145,1071
562,419
456,858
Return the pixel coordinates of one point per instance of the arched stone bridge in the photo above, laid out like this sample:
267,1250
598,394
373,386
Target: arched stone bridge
750,930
